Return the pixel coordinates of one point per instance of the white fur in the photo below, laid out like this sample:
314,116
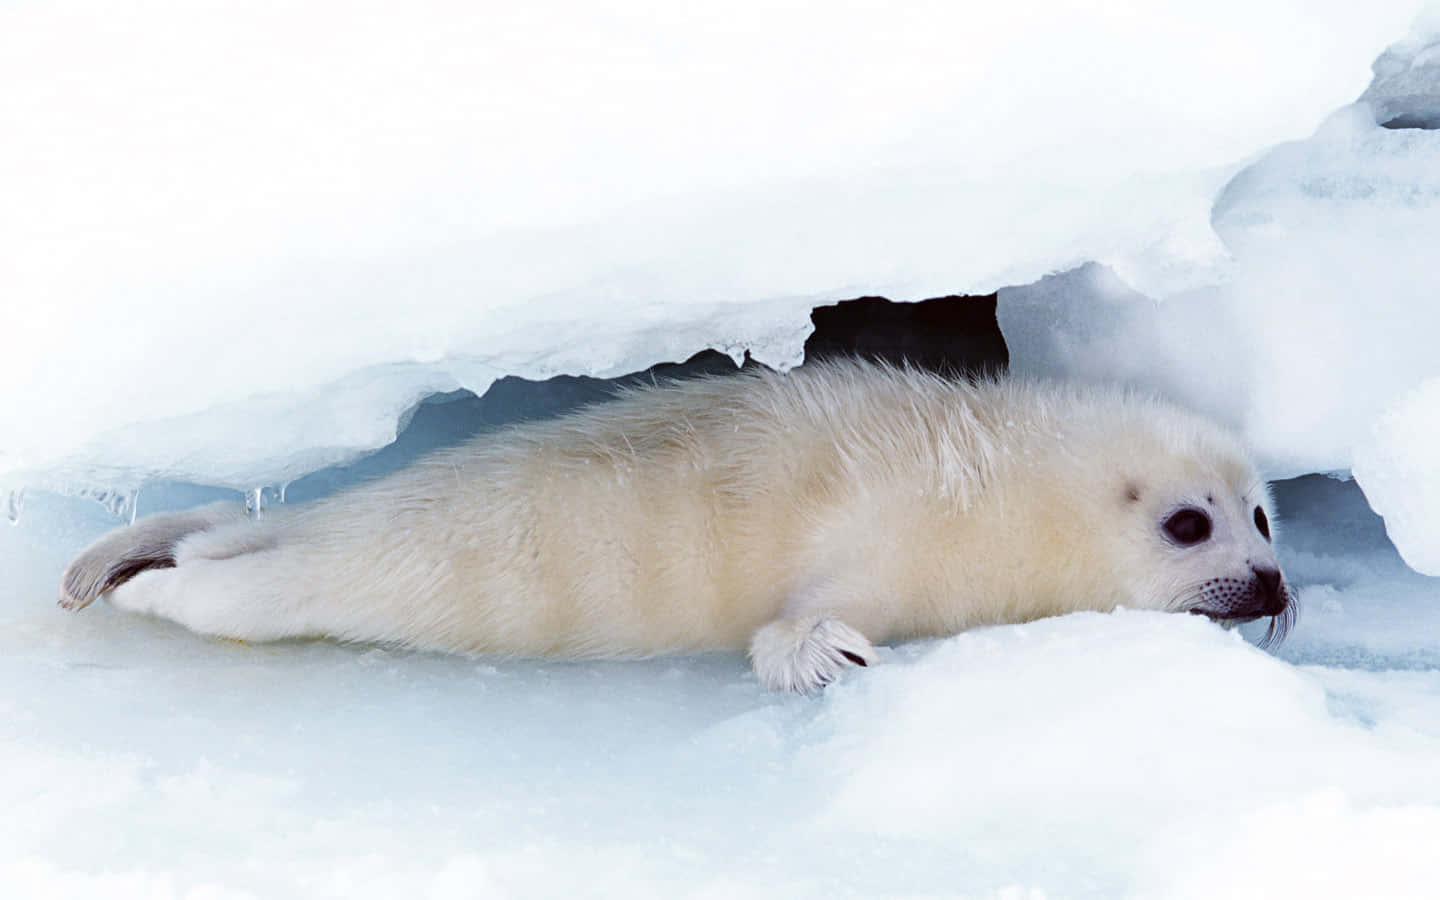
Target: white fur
802,654
803,516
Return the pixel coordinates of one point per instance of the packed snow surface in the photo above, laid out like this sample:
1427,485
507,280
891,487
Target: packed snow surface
1132,754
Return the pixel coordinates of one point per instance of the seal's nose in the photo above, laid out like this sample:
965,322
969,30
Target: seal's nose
1272,598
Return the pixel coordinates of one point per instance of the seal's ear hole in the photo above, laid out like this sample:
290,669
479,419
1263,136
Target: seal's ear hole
1262,523
1188,526
1132,491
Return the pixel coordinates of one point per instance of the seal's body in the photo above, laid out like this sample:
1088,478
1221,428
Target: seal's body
805,516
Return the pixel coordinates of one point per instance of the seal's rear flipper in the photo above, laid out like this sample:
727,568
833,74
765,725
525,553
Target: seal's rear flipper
126,552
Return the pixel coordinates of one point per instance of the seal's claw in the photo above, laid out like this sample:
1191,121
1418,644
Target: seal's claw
806,654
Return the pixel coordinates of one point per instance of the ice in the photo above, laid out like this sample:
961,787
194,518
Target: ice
1133,754
241,245
255,503
1322,316
1399,471
1221,736
1332,236
1404,93
240,241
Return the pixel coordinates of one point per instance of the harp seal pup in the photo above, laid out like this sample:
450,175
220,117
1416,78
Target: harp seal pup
805,517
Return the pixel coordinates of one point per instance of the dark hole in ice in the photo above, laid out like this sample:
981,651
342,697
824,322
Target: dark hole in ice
955,336
1423,121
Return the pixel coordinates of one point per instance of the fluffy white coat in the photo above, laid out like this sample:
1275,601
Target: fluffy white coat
805,516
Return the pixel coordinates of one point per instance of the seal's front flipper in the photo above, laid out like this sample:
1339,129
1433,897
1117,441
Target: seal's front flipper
804,654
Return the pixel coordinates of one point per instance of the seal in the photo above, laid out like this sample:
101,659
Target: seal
806,516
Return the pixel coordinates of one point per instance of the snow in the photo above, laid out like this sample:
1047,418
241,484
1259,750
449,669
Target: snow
321,213
1321,320
1403,92
1132,754
241,242
1316,340
1398,470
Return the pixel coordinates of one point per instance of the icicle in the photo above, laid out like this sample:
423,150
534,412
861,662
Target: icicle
255,504
14,504
284,486
120,504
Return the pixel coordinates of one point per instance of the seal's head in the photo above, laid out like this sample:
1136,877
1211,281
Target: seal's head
1197,525
1221,559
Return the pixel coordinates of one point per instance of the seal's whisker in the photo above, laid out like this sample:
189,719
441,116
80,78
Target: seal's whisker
1187,600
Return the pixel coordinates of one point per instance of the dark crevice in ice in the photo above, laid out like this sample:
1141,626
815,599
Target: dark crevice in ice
444,420
955,335
1422,121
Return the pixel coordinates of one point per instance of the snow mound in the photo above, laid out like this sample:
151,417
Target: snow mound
1332,293
1009,740
1406,89
1400,472
1323,315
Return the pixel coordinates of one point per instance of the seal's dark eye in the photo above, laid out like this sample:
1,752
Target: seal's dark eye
1262,523
1188,526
